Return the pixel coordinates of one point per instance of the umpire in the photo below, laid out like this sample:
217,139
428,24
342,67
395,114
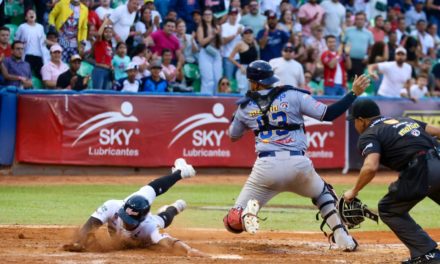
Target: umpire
407,146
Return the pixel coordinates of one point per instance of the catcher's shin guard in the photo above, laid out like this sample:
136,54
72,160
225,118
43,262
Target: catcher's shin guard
326,203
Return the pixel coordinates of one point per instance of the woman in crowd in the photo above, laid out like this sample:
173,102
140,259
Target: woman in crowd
210,60
287,23
144,27
247,50
224,86
102,75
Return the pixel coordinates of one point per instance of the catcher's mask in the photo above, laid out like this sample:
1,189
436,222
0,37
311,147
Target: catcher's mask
134,211
354,212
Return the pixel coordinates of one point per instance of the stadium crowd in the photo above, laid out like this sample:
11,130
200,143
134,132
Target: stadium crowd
204,45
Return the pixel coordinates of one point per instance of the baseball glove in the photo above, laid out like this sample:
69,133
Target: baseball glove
353,213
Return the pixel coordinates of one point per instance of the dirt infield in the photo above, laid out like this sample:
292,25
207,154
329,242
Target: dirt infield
42,244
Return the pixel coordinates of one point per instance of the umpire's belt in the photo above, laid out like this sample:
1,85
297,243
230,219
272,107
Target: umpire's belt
424,154
273,153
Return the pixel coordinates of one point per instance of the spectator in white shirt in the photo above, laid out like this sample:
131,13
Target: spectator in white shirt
122,19
231,35
53,68
396,74
104,9
130,83
424,38
418,90
415,14
288,70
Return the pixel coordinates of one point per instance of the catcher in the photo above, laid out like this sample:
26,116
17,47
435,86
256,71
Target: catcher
404,145
130,222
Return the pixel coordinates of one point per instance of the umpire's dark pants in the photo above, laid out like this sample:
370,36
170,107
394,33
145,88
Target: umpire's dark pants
394,212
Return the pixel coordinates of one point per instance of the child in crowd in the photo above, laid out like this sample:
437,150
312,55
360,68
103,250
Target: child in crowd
130,83
155,83
142,56
120,61
168,69
102,75
417,90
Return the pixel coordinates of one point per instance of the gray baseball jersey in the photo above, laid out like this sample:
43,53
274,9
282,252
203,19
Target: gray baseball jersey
282,172
289,107
145,234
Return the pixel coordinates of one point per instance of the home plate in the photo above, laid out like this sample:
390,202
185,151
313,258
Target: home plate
226,256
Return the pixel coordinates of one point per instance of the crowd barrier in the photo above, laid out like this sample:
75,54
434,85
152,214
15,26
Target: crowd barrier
140,130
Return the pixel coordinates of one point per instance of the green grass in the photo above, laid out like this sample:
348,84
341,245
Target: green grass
72,205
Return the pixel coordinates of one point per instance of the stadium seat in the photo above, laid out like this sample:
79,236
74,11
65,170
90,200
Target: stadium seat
86,69
36,83
192,74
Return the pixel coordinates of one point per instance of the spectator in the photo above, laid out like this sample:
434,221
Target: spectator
392,45
102,75
271,39
273,5
401,30
378,53
155,83
70,19
187,42
224,85
396,74
311,86
129,83
376,8
185,10
312,63
436,72
168,69
247,50
104,10
334,18
5,48
377,30
254,19
120,61
289,71
413,51
122,19
360,41
316,41
425,68
231,35
310,14
157,18
417,90
336,63
299,49
14,69
215,6
70,79
34,39
141,57
40,7
433,8
144,27
415,14
52,69
210,60
93,20
287,23
432,30
165,39
425,39
196,21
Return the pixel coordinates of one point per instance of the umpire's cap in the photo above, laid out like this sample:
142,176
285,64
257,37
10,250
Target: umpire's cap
134,211
364,108
261,72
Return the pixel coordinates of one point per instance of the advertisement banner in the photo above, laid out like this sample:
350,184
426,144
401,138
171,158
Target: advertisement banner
149,131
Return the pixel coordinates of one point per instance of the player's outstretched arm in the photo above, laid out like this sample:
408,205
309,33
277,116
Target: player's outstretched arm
80,244
181,247
338,108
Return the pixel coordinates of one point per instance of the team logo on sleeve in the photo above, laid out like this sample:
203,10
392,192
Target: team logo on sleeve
370,145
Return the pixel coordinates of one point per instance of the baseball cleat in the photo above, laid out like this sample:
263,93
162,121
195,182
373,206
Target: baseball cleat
180,205
344,241
186,170
249,216
432,257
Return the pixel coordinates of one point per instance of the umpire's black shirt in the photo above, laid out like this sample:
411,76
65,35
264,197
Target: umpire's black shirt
397,140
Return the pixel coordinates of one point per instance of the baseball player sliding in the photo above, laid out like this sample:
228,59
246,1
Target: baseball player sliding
275,115
130,221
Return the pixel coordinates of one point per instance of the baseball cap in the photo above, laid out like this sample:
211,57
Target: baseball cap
248,30
156,64
56,47
364,108
75,57
400,49
131,66
271,15
233,10
288,45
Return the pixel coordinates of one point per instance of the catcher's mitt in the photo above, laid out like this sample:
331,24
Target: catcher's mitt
353,213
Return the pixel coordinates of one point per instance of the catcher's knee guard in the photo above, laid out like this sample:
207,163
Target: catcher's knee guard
233,221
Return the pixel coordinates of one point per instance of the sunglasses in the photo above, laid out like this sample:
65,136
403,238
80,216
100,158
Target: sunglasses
225,83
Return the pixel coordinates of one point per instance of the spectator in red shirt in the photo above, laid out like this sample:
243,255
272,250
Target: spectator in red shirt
5,48
377,30
102,73
165,39
336,64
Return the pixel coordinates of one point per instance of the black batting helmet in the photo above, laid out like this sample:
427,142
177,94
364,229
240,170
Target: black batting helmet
134,211
261,72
